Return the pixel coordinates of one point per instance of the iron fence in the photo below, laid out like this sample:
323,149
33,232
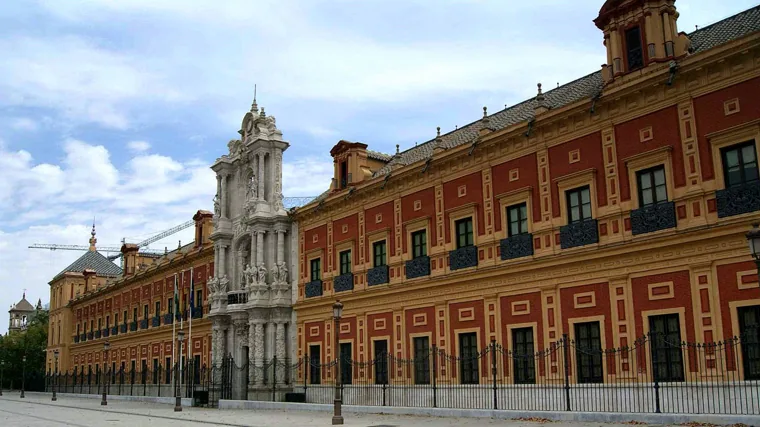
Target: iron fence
652,375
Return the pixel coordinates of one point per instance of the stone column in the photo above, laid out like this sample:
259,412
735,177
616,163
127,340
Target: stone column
240,266
222,261
260,247
217,251
253,363
260,190
219,189
223,197
279,342
280,246
258,340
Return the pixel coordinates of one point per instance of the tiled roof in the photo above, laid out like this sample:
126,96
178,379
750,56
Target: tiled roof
23,305
95,261
586,87
378,156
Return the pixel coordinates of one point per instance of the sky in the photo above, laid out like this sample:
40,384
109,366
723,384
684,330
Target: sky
113,111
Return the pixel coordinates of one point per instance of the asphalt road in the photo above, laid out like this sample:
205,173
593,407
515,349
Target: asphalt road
37,410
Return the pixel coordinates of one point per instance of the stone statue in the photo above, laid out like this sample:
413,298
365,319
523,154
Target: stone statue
283,272
252,188
250,275
262,274
217,207
275,275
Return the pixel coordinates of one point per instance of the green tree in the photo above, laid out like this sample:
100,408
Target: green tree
30,343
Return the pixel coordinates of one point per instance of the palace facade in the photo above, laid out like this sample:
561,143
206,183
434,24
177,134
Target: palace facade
602,210
94,301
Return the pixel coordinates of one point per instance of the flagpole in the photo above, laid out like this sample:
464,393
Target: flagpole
190,320
174,329
181,327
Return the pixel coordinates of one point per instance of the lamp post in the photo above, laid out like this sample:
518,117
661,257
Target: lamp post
106,347
337,415
177,396
55,374
753,238
23,376
2,367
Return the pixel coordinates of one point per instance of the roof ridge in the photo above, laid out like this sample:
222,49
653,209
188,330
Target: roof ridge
707,27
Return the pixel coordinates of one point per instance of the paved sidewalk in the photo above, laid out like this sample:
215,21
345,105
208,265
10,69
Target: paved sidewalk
37,410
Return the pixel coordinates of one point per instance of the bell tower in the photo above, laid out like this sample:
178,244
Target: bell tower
638,34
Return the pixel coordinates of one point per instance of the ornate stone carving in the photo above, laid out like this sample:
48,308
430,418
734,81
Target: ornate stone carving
250,275
463,257
659,216
418,267
283,267
236,147
217,207
579,233
517,246
262,273
241,331
253,184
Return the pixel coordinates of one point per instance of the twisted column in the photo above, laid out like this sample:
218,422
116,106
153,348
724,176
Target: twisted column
260,192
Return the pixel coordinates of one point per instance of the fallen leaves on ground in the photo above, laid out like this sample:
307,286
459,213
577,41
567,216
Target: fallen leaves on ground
635,423
697,424
533,419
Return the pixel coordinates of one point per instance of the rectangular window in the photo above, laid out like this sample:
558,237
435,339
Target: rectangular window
113,372
316,269
78,329
419,243
92,325
633,48
198,298
315,365
345,262
100,325
125,317
652,188
196,369
464,232
667,358
132,372
588,352
134,314
523,355
378,250
168,370
145,312
116,319
421,360
381,362
346,363
108,322
517,219
578,204
739,164
155,372
749,329
343,174
469,358
158,308
169,306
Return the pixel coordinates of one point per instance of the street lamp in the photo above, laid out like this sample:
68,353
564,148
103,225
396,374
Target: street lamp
23,376
337,415
55,374
2,367
177,397
106,347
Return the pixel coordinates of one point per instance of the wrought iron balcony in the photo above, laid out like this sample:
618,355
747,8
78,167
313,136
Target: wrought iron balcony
106,332
237,297
168,319
156,321
418,267
579,234
97,334
738,200
344,282
144,324
83,337
463,257
76,339
517,246
377,275
313,289
198,312
115,330
133,326
647,219
90,335
123,328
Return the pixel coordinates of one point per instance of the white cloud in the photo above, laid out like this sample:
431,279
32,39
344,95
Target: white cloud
307,176
24,123
138,146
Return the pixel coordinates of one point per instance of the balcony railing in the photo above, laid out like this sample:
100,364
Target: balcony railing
76,339
90,335
115,330
237,297
168,318
198,312
344,282
83,337
463,257
313,289
144,324
106,332
133,326
97,334
517,246
647,219
155,322
579,233
123,328
738,200
418,267
377,275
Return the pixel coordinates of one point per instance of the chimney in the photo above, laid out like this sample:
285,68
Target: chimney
129,254
203,227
